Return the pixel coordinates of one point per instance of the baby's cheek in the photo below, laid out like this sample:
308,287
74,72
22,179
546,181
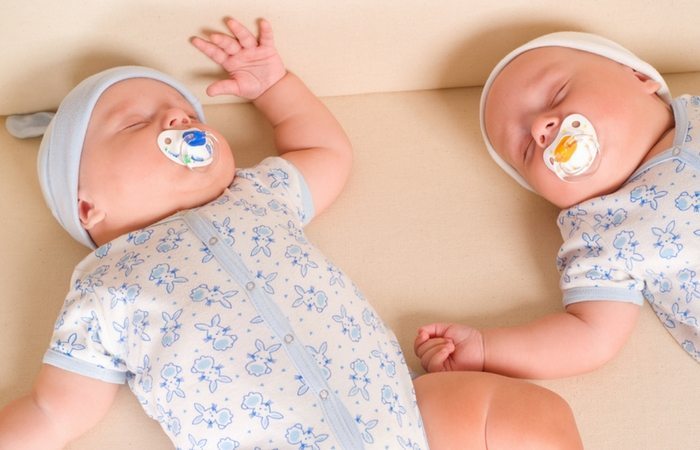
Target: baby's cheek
226,158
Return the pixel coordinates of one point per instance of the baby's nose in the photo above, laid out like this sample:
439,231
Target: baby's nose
175,117
544,128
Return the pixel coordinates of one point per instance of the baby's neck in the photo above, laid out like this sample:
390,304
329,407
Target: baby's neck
664,143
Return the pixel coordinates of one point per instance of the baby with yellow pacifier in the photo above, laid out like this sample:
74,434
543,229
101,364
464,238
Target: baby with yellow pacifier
590,127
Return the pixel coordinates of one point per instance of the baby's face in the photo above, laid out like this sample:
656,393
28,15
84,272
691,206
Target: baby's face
123,173
535,92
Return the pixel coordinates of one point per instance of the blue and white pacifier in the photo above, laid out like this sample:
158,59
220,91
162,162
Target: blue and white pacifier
575,152
191,147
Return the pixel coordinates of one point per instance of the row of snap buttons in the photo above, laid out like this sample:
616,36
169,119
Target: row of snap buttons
289,338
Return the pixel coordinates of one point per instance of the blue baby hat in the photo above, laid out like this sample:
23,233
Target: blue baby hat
58,160
587,42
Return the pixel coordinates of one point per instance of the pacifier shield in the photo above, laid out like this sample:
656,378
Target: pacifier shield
191,147
575,152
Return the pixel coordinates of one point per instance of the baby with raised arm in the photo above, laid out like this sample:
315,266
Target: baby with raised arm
590,127
203,293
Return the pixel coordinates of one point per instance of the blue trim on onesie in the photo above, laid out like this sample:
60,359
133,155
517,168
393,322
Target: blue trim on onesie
680,115
601,294
691,158
66,362
339,418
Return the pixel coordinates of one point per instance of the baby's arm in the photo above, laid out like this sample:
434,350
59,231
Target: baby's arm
61,407
583,338
306,133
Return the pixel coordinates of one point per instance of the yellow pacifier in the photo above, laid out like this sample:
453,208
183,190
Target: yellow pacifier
575,152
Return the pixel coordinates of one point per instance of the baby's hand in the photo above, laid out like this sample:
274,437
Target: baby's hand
442,347
253,64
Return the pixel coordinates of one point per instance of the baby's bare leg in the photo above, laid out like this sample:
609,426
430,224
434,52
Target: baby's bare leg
475,410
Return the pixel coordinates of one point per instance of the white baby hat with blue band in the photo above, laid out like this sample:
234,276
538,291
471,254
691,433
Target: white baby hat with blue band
58,161
578,41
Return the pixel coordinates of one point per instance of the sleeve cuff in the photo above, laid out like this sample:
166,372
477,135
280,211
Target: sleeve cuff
587,294
80,367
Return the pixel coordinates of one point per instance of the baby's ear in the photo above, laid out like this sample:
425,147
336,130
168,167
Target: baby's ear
89,214
650,84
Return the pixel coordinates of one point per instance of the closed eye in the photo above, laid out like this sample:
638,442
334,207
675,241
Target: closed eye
558,95
135,125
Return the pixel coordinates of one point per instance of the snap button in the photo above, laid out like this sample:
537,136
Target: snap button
323,394
289,339
250,285
676,151
213,240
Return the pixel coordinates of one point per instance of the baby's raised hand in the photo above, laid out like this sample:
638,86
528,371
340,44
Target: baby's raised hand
253,64
443,347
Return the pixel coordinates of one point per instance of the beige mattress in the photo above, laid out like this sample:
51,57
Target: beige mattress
428,227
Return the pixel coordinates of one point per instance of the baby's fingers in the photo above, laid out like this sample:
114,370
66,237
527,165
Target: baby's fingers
245,37
421,337
434,361
266,39
434,329
225,42
224,87
213,51
434,353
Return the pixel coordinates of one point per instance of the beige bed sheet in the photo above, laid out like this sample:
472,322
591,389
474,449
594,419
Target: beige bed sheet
340,47
429,229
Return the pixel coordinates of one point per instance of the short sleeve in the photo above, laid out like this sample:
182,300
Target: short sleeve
77,342
590,267
283,182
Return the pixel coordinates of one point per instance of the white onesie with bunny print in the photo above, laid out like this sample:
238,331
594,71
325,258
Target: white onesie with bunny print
235,332
643,241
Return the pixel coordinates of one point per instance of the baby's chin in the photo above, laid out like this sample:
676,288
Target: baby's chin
196,194
570,194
